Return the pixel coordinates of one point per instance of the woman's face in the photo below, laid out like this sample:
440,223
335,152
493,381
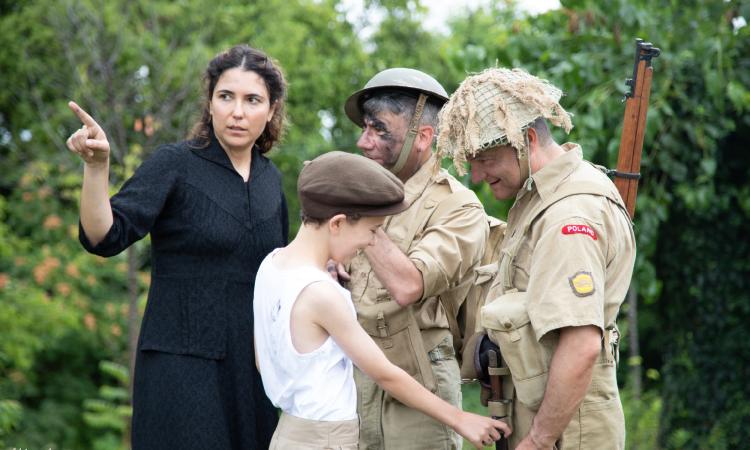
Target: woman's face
240,109
351,237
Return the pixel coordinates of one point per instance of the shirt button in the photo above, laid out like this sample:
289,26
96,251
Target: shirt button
507,325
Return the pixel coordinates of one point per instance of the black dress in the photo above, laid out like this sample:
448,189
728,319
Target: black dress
196,386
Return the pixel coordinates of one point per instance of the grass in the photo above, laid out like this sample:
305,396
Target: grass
471,403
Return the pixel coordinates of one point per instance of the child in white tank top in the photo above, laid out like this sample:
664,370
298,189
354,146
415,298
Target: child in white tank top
306,332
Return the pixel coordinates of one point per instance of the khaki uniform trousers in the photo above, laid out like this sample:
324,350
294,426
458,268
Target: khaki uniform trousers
304,434
388,424
596,425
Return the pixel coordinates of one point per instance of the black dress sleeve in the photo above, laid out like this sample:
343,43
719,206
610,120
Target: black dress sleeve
136,207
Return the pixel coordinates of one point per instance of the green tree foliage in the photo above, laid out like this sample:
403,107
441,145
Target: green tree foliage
136,66
692,270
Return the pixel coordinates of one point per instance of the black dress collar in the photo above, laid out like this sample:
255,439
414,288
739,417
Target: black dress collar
215,153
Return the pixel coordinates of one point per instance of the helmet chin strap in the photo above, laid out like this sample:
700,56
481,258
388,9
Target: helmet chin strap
524,163
410,136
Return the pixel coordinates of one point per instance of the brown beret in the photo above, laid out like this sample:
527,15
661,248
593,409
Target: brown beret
345,183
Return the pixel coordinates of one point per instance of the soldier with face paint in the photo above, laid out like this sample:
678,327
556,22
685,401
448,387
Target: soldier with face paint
411,280
565,265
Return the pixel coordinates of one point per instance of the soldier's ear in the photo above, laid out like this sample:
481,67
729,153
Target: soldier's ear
533,137
425,136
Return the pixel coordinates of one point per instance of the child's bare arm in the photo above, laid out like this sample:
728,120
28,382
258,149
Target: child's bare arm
330,311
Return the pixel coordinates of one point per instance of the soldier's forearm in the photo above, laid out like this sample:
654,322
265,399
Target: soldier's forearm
395,270
569,377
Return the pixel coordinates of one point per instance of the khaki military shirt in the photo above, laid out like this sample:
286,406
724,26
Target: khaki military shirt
445,252
576,261
569,265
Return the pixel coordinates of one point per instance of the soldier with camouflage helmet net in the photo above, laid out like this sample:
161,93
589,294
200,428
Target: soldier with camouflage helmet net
494,108
407,287
565,264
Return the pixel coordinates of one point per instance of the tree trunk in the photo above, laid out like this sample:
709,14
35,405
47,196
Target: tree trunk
634,359
133,327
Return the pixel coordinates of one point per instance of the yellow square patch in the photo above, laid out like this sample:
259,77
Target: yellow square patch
582,284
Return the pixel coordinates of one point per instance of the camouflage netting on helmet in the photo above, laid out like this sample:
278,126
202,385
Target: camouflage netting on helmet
494,108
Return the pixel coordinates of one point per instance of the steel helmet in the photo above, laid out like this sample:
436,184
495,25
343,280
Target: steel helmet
397,79
409,81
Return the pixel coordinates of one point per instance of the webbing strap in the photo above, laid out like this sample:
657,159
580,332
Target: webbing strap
453,201
611,345
410,135
498,371
500,409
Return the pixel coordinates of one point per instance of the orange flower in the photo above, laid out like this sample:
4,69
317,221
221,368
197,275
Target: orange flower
44,268
144,277
150,125
116,330
89,321
44,192
27,197
51,262
52,222
4,278
72,270
63,288
40,273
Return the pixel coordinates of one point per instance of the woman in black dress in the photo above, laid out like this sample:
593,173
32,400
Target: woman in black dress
214,207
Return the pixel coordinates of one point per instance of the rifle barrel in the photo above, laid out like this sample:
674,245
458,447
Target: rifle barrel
634,124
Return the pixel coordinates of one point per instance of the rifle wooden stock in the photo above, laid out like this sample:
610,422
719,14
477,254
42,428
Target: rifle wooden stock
496,389
634,125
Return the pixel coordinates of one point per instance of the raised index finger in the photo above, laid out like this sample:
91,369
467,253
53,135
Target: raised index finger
85,118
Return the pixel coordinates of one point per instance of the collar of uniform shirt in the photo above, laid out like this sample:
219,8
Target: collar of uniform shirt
550,176
415,186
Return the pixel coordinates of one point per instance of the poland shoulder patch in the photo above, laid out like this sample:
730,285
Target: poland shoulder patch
579,229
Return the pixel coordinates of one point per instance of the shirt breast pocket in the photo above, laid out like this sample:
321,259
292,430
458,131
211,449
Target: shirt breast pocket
521,266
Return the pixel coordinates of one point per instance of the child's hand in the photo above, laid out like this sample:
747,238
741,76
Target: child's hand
480,430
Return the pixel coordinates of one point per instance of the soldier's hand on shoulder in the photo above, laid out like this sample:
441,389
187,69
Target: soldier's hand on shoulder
338,271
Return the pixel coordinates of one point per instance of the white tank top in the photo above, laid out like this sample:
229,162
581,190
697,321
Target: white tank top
317,385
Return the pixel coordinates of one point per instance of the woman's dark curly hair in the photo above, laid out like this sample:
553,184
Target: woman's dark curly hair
252,60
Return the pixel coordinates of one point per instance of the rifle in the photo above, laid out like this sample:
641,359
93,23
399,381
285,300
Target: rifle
628,169
481,363
496,393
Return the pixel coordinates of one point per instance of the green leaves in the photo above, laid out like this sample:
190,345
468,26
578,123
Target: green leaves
135,63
